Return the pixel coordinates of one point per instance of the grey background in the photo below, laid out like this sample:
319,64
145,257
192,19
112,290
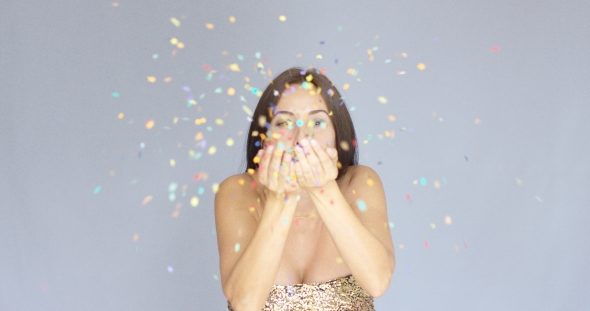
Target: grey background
515,185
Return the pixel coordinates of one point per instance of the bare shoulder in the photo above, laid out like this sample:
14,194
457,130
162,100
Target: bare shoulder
358,175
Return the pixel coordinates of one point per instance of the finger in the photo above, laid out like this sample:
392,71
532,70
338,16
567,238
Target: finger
305,166
324,159
299,173
263,167
274,167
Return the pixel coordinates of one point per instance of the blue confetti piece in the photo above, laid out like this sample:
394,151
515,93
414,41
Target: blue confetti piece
97,189
170,269
254,90
361,205
172,187
201,190
115,94
257,143
423,181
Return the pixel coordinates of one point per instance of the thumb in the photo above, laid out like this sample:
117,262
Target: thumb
332,153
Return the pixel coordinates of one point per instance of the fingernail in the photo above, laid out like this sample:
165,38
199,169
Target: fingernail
314,142
304,142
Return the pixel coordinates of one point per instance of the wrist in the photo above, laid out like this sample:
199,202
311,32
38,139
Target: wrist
328,186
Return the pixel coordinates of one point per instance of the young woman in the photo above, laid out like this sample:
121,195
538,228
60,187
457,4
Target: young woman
305,227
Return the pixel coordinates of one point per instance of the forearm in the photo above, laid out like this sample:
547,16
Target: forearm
253,275
365,255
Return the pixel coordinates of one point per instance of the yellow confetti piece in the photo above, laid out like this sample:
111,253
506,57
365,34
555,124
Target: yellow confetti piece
448,220
151,79
251,209
344,145
308,78
247,110
194,201
345,87
172,162
232,19
167,79
382,100
256,159
369,51
339,260
215,187
231,91
241,182
477,122
234,67
121,115
135,237
175,21
456,248
282,18
180,45
251,171
173,41
319,56
401,246
518,181
405,54
209,26
149,124
212,150
433,226
146,200
200,121
229,142
199,136
421,66
370,182
437,184
219,121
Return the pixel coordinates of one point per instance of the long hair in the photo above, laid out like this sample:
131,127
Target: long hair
346,143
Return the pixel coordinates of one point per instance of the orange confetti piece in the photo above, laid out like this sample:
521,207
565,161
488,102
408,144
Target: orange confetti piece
146,200
209,26
149,124
232,19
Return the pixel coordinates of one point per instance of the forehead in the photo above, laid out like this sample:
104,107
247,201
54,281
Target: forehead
301,101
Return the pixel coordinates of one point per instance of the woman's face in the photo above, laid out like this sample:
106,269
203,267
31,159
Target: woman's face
302,113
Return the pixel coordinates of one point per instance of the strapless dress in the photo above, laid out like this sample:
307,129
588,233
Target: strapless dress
342,294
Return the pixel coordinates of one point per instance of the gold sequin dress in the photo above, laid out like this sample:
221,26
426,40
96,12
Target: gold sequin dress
342,294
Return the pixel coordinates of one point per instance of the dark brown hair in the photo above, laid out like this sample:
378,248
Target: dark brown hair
345,135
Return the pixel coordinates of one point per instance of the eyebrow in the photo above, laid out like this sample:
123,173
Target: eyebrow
292,114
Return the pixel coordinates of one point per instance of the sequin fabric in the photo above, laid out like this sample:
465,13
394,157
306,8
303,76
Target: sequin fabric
342,294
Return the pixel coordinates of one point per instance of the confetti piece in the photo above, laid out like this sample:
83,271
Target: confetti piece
495,48
448,220
401,246
215,187
344,145
361,205
282,18
121,115
115,94
423,181
175,21
237,247
179,45
370,182
247,110
538,199
146,200
209,26
382,100
339,260
229,142
421,66
219,121
232,19
173,41
115,4
149,124
194,201
172,162
345,87
170,269
135,237
426,244
151,79
433,226
477,122
172,187
234,67
319,56
390,224
212,150
97,189
518,181
231,91
215,277
436,184
408,196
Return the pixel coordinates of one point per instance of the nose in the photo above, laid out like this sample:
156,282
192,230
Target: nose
299,133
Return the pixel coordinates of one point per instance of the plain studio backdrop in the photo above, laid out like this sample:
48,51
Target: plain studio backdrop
119,119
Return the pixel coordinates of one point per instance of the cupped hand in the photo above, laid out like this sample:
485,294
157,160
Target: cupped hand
315,166
276,171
